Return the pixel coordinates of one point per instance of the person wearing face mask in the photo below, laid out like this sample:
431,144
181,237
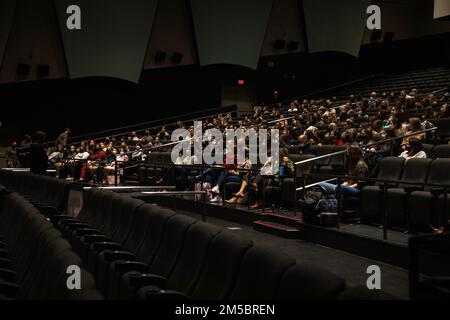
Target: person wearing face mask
109,170
414,150
137,155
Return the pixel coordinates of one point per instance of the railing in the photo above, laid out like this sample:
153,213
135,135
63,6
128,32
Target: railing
315,93
143,126
384,185
181,193
307,114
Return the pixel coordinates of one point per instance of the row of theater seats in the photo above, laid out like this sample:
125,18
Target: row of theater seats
136,250
44,192
34,258
409,204
141,251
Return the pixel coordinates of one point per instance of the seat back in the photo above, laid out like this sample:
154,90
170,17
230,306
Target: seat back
415,171
193,256
441,151
260,274
439,172
171,244
304,282
221,267
153,235
321,151
391,168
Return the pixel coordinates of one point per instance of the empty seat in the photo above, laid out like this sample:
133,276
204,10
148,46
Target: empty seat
416,172
144,253
288,186
441,151
390,168
221,267
166,257
189,265
260,274
34,261
421,203
321,151
306,282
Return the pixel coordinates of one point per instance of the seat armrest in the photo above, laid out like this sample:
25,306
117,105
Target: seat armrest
3,253
49,212
119,255
77,225
5,263
142,280
166,295
9,289
126,266
7,275
90,238
436,191
85,232
105,245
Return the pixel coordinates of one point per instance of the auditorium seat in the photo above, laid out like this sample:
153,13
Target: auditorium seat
441,151
141,225
35,260
288,186
337,163
390,168
428,148
121,227
415,171
321,151
145,253
221,268
163,262
421,204
260,274
307,282
186,271
443,131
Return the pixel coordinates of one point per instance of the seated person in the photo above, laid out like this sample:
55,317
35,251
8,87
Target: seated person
414,150
357,169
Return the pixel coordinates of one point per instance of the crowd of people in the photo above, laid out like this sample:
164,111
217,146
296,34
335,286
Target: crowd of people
361,124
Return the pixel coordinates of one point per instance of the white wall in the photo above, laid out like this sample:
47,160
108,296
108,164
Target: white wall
441,8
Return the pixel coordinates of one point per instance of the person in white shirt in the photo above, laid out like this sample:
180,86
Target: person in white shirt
414,150
82,154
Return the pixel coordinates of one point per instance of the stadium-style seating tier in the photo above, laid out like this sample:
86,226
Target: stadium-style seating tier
34,257
142,251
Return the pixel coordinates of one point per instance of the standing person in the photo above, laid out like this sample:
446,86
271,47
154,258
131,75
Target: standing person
11,156
61,142
38,154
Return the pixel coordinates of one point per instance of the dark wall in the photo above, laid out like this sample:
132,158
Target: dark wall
93,104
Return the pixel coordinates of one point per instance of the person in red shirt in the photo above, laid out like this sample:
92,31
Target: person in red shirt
93,163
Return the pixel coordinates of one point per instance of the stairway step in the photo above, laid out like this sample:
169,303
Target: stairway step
283,219
278,229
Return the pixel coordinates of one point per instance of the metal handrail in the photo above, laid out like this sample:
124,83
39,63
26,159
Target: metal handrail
399,137
86,136
329,155
314,184
131,188
310,113
375,180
